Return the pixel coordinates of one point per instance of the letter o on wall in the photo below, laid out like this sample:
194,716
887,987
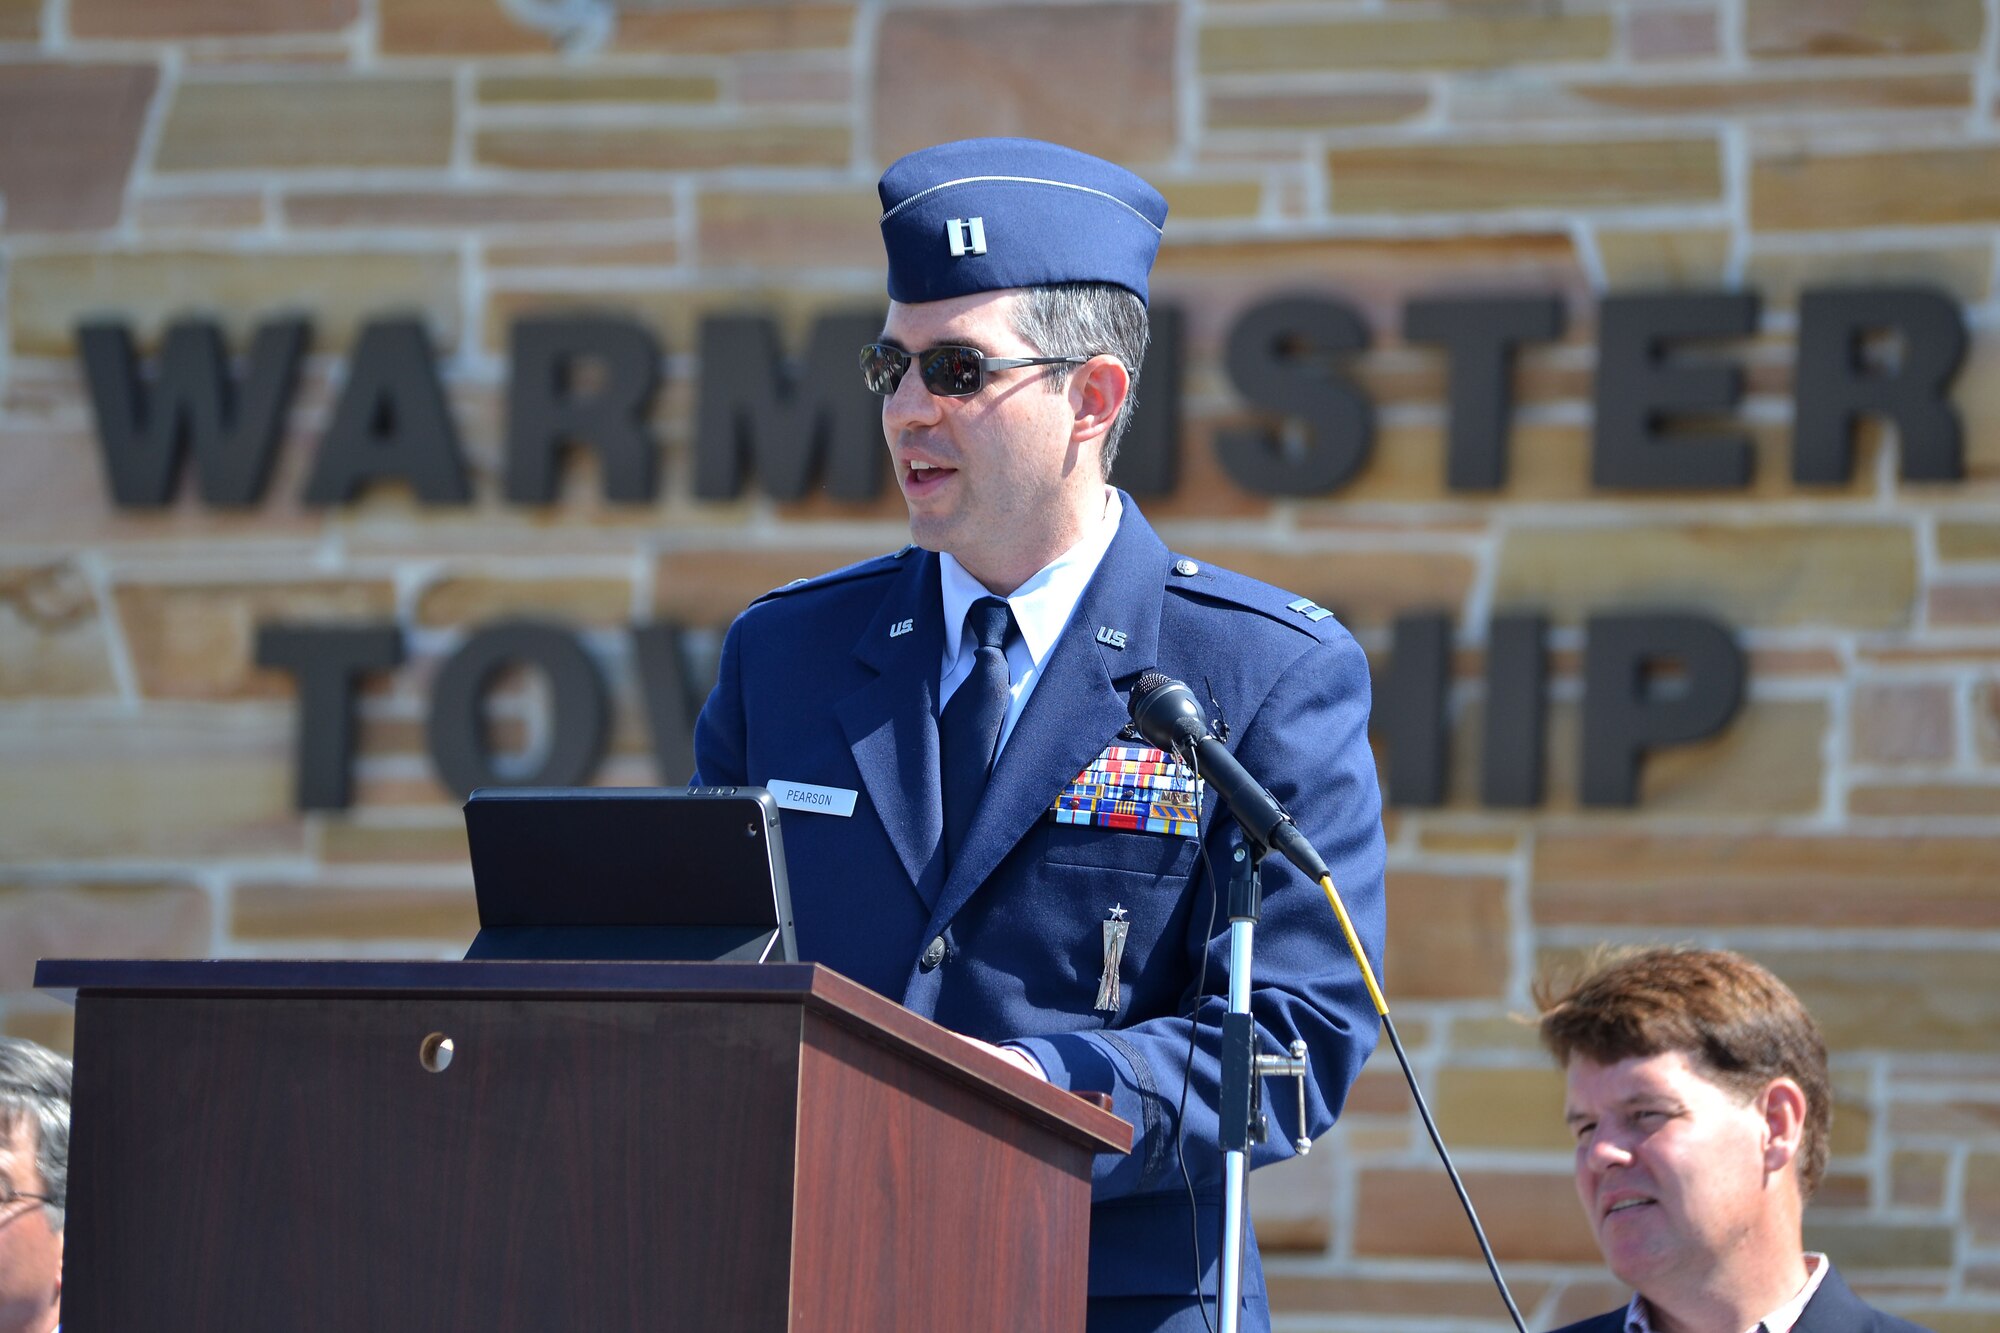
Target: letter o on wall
579,710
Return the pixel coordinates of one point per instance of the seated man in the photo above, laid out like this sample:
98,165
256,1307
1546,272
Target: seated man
34,1169
1699,1098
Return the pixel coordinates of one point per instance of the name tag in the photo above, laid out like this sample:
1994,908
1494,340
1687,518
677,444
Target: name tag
819,800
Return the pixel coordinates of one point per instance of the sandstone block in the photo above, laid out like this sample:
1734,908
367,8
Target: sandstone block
710,587
265,911
468,599
1215,281
1918,1179
349,841
1292,1206
455,27
1041,74
624,89
1965,271
52,641
63,919
1459,41
1518,1109
1392,1298
1485,177
302,122
662,147
1316,110
228,211
1694,257
54,1028
82,784
20,20
1982,1197
198,641
1486,1035
134,19
1965,1118
1926,800
1207,200
568,210
1905,1001
1881,1245
1986,721
51,293
1771,575
1903,723
1517,97
1778,28
1446,936
68,135
1968,541
784,79
1686,881
1963,605
735,29
585,253
1673,34
1909,187
1413,1214
789,228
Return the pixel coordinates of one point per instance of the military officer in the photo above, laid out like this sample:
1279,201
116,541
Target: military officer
979,834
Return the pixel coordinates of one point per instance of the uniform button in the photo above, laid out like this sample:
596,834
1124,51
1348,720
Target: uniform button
1186,568
933,953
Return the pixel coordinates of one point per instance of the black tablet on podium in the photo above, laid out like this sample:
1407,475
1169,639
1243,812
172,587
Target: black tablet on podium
665,873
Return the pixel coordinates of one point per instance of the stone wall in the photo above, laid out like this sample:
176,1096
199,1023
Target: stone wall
437,158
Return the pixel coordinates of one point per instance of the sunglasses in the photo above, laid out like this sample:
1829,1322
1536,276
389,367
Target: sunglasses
948,372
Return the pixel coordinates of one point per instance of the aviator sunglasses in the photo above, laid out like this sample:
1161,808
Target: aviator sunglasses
948,372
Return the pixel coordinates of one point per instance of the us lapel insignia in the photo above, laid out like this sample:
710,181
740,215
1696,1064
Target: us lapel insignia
1111,638
1115,929
1135,787
901,627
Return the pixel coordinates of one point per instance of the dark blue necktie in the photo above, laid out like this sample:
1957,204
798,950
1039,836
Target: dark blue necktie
969,731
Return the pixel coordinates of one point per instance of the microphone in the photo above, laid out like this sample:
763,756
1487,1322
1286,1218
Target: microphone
1167,715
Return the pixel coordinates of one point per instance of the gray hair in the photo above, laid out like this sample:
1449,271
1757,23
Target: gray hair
35,1089
1087,319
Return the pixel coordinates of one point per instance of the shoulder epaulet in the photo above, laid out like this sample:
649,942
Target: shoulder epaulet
1211,583
869,568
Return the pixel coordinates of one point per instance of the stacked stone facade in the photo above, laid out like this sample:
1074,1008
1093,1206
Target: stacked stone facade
447,160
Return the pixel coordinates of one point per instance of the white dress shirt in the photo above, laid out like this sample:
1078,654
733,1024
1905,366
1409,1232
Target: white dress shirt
1042,607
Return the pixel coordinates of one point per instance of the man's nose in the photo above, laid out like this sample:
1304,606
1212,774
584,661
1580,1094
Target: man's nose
1605,1149
910,405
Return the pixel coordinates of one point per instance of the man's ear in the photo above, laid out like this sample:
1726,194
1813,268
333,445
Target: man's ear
1097,389
1783,1106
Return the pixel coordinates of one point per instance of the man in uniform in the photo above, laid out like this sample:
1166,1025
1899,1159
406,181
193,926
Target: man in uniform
988,842
34,1173
1700,1102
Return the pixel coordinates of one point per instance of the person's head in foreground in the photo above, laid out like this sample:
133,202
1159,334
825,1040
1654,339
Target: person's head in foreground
34,1172
1016,328
1698,1096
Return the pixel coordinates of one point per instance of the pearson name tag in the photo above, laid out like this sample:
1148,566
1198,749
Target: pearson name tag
819,800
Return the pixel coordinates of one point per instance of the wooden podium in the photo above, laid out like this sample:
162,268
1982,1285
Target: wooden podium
611,1146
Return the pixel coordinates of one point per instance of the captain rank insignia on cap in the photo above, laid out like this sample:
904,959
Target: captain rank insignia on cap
1310,609
965,236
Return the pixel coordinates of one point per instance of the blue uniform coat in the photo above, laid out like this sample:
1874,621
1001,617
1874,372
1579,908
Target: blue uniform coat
822,683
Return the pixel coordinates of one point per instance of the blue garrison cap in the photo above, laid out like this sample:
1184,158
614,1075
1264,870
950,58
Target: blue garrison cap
983,214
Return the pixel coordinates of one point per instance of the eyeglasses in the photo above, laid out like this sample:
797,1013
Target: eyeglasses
9,1196
948,372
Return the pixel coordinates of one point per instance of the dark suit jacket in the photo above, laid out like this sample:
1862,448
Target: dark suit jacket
833,682
1834,1308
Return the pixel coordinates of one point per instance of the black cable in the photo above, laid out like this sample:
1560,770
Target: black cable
1187,1077
1471,1215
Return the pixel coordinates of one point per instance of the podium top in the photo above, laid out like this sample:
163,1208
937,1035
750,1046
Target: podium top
807,985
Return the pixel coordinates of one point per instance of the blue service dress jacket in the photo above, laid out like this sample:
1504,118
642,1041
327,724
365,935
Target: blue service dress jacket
1834,1308
833,682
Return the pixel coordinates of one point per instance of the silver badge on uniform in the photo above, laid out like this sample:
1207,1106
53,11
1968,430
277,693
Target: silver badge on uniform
1115,928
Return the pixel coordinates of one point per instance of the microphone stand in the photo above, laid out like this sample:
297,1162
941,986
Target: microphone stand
1242,1122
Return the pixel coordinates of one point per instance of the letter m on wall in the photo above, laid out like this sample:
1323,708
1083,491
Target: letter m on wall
752,414
192,402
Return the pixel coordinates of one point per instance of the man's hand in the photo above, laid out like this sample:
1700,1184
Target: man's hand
1009,1054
